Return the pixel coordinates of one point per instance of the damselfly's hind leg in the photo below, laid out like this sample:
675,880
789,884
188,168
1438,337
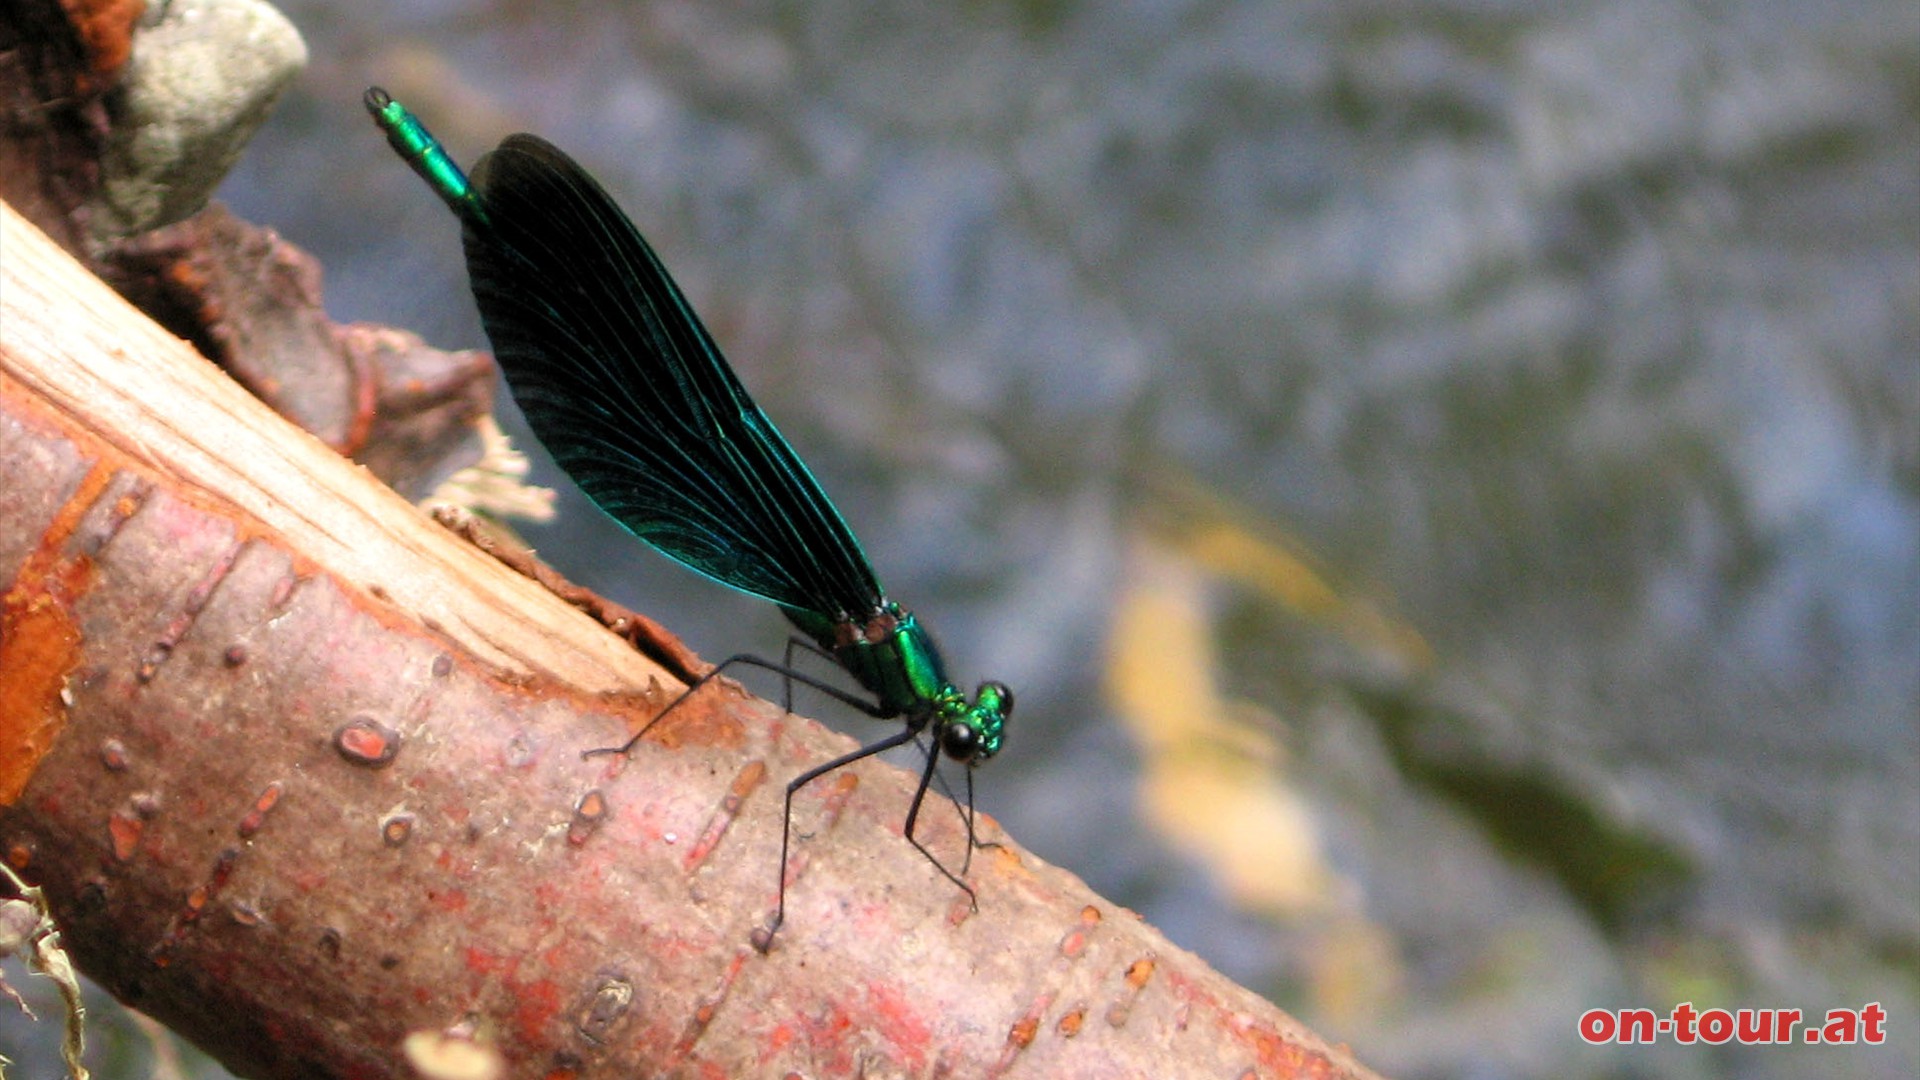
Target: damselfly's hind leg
786,671
913,816
763,938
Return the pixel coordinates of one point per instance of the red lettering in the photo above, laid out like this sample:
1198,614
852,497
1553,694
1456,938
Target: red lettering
1683,1016
1716,1026
1754,1025
1638,1026
1688,1025
1873,1026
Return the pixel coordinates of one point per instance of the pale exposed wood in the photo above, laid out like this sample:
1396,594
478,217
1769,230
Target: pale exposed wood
69,339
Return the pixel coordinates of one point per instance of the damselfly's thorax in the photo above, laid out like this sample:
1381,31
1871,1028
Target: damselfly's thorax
894,657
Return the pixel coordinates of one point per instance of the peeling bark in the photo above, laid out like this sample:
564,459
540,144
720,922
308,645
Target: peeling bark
300,773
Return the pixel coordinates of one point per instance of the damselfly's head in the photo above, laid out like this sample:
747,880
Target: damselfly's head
974,733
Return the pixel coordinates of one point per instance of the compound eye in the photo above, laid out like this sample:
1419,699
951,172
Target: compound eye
1000,691
959,742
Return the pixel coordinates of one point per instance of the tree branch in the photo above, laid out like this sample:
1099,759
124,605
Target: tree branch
300,773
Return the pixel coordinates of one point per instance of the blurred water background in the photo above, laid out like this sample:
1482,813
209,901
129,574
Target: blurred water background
1443,478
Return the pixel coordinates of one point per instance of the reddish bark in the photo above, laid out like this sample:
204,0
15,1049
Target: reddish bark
300,773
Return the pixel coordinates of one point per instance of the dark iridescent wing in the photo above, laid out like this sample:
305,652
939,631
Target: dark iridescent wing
625,388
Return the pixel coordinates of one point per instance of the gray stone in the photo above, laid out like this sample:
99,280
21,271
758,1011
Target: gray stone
202,78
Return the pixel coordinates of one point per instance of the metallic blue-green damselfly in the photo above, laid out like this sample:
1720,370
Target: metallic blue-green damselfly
623,385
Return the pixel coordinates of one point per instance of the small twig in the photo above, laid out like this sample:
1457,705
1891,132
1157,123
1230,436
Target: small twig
27,929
